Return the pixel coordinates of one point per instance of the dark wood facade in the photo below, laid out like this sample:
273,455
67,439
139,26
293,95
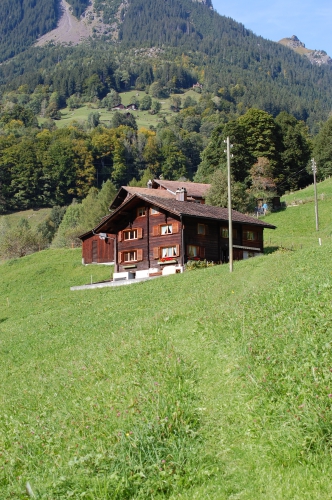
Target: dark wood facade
97,249
148,242
154,233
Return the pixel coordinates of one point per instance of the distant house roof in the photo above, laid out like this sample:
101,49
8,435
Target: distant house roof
180,208
124,191
194,189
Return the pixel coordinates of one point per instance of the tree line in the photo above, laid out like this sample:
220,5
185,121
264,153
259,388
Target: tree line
49,166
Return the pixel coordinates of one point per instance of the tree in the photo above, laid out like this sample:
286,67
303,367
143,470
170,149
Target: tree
295,154
261,135
111,100
156,107
156,90
214,155
175,103
218,192
93,119
106,196
50,225
69,230
145,103
126,119
19,240
262,183
322,150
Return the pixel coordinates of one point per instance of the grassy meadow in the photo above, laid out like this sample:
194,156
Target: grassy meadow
201,385
143,118
33,216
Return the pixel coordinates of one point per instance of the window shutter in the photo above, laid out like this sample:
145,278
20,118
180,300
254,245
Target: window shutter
202,252
175,227
140,254
156,252
120,257
206,229
120,235
155,231
139,232
177,250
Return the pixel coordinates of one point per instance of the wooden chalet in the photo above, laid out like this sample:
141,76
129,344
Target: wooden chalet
153,233
98,249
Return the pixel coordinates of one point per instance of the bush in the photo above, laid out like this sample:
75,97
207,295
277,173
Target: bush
192,265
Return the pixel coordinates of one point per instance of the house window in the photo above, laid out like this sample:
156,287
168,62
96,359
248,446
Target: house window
168,252
194,251
154,211
166,229
141,212
249,235
224,232
130,256
201,229
163,229
130,234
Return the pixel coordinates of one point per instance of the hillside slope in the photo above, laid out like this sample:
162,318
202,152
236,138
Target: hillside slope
198,385
129,38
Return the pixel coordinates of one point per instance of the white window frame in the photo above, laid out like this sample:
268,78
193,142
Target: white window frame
132,233
168,228
168,252
132,254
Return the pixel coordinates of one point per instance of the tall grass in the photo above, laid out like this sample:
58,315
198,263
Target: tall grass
201,385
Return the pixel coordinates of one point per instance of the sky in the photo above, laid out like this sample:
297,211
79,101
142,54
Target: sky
309,20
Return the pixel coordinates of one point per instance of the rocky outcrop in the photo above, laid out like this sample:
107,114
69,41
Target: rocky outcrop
318,57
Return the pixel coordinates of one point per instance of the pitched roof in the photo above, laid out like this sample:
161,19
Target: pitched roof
124,191
204,211
195,189
184,208
159,193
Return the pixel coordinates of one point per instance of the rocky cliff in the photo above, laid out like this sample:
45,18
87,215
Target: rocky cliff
317,57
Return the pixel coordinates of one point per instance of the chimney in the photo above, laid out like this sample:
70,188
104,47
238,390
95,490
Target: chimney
181,194
150,184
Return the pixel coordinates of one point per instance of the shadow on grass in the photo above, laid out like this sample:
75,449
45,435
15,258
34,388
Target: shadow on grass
270,249
2,320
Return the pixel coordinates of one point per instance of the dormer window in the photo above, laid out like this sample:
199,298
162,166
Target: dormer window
154,211
141,212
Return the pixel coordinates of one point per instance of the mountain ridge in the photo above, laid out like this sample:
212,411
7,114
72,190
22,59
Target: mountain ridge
316,57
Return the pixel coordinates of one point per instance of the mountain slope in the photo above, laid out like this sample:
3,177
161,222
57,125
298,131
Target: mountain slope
236,66
22,22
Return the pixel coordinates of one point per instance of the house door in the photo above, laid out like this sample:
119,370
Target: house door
94,251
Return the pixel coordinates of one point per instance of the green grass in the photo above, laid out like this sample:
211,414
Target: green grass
296,226
201,385
33,216
143,118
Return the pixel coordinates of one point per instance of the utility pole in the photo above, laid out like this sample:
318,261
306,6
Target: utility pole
314,169
230,225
